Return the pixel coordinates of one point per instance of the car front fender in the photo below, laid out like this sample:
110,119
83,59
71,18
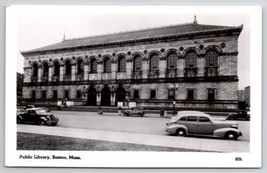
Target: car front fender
221,132
43,119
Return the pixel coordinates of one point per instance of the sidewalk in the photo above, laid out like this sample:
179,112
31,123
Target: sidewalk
215,145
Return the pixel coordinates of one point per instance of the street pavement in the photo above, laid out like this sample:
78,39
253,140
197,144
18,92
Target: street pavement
150,124
203,144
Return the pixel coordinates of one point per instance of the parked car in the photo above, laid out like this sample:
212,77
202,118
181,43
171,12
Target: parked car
133,112
47,109
199,123
240,115
37,116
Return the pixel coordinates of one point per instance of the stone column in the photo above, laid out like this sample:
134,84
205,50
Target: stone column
201,66
99,70
50,73
39,73
98,98
129,69
73,72
162,67
112,98
113,70
86,71
61,72
144,69
180,66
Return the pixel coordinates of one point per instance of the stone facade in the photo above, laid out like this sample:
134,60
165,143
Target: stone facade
199,69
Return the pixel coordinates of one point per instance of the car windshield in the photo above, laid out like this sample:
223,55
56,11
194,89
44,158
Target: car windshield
40,111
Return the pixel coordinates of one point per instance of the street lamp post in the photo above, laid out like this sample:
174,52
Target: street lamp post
174,88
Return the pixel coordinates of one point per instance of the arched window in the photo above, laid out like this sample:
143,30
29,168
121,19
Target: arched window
45,69
172,61
67,67
56,68
154,62
121,64
138,63
211,63
191,64
211,59
35,70
107,65
93,66
171,66
80,66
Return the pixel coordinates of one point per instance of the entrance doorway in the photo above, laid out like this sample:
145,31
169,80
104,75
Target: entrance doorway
91,96
105,96
120,95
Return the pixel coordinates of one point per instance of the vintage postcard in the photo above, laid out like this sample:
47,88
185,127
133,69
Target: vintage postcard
133,86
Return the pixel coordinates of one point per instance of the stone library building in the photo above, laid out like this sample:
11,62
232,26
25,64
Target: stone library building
193,66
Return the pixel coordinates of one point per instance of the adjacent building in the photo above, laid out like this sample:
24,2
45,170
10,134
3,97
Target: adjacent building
193,66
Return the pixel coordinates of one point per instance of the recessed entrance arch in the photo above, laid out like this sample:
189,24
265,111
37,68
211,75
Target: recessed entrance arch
120,94
91,96
105,96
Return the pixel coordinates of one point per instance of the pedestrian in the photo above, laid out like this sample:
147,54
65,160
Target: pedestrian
100,112
161,113
165,114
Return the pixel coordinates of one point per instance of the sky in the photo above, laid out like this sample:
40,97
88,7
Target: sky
38,27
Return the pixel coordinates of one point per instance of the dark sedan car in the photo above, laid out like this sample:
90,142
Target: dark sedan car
37,116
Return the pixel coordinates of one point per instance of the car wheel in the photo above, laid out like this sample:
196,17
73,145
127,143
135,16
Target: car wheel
231,135
125,114
42,123
139,115
54,124
180,132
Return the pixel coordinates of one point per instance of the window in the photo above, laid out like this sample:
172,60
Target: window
80,66
93,66
35,70
138,63
33,94
79,94
211,94
121,64
191,64
152,94
211,63
171,94
68,67
154,62
107,65
191,118
183,119
136,94
190,94
172,61
55,94
203,119
66,94
43,94
45,69
191,60
56,68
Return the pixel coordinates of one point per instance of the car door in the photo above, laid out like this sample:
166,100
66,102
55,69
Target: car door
205,126
192,124
32,116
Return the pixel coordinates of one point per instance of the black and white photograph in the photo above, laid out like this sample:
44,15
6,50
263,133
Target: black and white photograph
133,86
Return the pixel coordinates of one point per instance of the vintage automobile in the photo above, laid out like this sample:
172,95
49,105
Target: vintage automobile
201,124
240,115
133,112
32,106
37,116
